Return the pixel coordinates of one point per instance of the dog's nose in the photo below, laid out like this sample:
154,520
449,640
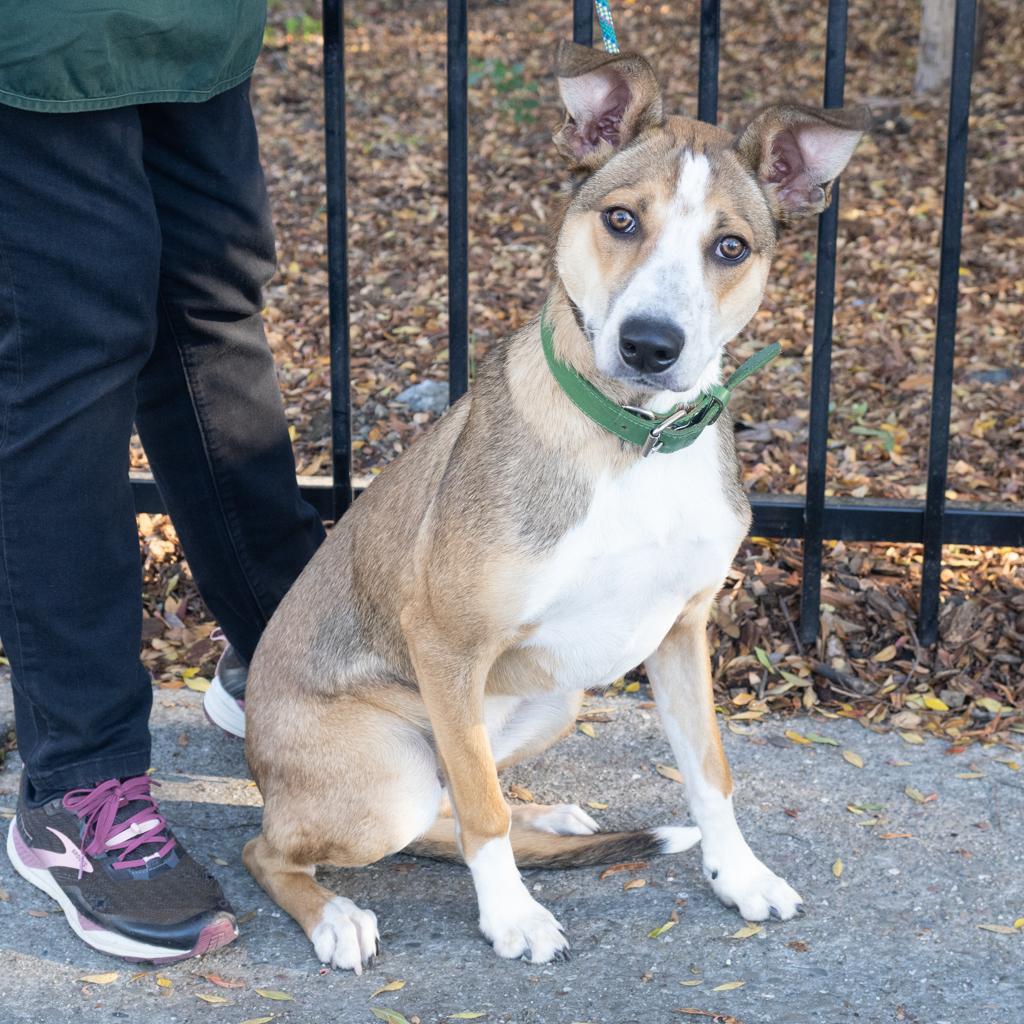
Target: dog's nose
649,346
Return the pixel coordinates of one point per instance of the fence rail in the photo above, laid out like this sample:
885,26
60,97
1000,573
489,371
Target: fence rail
815,518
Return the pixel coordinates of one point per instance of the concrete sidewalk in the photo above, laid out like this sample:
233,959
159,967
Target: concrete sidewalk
894,938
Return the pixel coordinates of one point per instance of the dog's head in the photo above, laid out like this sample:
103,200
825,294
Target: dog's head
671,224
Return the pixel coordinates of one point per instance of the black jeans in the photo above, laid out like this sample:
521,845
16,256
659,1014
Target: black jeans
134,244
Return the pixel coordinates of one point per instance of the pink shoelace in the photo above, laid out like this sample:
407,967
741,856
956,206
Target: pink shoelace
98,807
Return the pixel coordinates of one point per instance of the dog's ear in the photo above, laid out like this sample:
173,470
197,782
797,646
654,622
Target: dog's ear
609,98
797,152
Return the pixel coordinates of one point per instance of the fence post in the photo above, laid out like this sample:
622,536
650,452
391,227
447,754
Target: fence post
583,22
337,255
945,323
458,210
710,36
821,359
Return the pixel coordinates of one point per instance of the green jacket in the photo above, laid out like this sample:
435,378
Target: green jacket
65,56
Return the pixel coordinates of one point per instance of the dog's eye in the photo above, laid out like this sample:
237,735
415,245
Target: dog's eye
620,220
731,248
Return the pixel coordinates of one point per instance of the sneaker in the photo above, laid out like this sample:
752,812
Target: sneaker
224,701
125,884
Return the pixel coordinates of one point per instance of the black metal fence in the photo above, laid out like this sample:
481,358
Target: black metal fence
813,518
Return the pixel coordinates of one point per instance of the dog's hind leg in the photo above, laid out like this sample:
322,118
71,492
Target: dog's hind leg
342,934
347,784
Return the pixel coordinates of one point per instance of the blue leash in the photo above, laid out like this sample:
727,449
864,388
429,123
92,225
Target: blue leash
604,18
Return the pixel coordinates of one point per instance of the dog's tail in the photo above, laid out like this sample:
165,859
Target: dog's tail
535,849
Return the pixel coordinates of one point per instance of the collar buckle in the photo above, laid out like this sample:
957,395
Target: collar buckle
706,413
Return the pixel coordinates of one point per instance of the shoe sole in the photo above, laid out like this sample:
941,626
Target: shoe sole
213,936
222,709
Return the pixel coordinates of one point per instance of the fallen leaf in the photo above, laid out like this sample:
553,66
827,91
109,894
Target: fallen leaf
747,931
911,737
467,1015
990,705
886,653
915,794
853,758
212,999
728,986
837,868
4,895
692,982
198,683
635,883
795,737
100,979
661,929
38,913
629,865
1019,923
391,1016
597,805
934,704
895,835
164,982
266,1020
970,775
814,737
999,929
716,1018
588,730
669,772
273,993
391,986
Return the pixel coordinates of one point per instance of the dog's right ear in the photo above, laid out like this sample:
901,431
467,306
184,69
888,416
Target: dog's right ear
609,98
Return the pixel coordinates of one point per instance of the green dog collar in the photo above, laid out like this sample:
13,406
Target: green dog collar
650,432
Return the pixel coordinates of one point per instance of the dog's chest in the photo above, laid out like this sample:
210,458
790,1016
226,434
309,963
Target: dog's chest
654,537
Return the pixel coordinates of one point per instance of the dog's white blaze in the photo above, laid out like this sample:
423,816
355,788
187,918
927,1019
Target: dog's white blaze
509,916
738,878
653,537
671,284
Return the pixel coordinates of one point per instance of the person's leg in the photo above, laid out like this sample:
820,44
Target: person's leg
210,413
79,278
79,265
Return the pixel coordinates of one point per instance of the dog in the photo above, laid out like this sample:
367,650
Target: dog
521,552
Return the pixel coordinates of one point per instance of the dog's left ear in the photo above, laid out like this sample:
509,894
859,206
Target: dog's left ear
609,98
797,152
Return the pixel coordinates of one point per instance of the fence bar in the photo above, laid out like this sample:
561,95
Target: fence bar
710,36
945,326
583,22
458,203
337,255
895,521
821,364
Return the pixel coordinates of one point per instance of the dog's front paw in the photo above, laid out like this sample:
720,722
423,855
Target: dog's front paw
528,928
345,936
755,891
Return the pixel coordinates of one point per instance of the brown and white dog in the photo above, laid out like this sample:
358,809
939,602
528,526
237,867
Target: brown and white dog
520,553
